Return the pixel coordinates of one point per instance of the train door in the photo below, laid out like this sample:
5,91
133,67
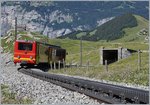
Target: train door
43,53
37,53
50,55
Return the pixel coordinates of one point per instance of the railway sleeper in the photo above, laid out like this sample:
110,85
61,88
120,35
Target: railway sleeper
115,94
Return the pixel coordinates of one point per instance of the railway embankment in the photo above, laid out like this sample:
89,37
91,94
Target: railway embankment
39,92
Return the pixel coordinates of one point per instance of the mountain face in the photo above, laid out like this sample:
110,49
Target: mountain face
124,28
59,18
110,30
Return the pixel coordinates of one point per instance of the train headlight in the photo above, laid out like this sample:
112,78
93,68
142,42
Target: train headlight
31,57
18,57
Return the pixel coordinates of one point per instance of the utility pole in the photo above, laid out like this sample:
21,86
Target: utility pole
15,28
81,51
47,36
139,59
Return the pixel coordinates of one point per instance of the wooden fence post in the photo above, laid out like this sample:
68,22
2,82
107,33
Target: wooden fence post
139,60
54,65
59,65
106,65
64,64
101,55
51,65
88,65
77,65
71,64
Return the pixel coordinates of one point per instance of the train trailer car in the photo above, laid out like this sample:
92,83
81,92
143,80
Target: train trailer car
36,53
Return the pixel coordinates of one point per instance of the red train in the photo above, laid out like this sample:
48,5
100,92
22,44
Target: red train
35,53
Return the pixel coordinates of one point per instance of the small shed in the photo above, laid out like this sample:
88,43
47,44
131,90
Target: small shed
114,54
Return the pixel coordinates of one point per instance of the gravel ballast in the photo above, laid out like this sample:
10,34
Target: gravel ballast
41,92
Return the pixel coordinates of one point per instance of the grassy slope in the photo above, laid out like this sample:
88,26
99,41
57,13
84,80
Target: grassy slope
10,98
131,33
92,48
123,71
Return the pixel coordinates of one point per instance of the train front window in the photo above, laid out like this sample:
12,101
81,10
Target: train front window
25,46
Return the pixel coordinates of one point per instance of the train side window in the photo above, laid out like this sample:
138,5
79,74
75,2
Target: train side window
58,52
25,46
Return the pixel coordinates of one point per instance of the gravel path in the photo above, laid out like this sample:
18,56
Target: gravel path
41,92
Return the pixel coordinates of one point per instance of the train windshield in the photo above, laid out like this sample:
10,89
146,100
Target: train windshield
25,46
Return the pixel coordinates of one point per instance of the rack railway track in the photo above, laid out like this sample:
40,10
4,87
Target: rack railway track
108,93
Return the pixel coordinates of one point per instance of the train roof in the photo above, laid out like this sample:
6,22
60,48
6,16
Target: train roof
29,41
25,41
54,46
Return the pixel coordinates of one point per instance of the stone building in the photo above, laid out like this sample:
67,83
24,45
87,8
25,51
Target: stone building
114,54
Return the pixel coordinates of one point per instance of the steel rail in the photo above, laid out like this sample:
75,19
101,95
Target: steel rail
109,93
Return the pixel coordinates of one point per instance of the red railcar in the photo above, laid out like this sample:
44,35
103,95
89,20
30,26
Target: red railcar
34,53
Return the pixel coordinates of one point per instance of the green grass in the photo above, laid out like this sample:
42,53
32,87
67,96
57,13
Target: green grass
92,32
123,71
131,33
92,48
11,98
23,32
126,70
81,34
